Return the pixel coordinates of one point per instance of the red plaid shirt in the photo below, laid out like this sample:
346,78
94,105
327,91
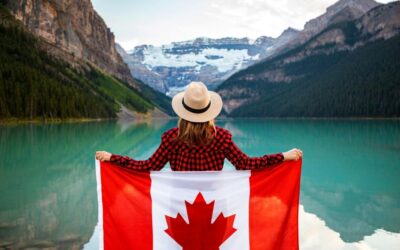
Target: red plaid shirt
198,158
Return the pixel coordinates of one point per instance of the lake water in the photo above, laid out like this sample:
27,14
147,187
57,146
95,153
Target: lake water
350,186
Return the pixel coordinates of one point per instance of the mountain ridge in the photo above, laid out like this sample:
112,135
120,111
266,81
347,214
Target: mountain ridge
334,13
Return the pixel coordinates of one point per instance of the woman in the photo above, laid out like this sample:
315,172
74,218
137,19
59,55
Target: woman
197,144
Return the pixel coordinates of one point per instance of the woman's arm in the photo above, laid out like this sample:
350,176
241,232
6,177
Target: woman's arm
156,162
243,162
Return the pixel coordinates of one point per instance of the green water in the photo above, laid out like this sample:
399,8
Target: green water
350,187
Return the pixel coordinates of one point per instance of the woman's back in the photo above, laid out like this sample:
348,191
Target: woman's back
183,157
202,157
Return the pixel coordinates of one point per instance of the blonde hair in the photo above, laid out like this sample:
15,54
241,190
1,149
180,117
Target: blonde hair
195,133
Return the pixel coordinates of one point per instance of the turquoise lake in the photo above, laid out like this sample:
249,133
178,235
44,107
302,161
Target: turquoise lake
350,184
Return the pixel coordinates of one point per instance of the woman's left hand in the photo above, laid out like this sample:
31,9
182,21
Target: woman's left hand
103,155
293,155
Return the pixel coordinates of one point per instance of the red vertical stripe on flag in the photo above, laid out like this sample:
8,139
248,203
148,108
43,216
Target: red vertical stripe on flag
126,202
273,208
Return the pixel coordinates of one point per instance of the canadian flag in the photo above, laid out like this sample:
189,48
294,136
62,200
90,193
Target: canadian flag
209,210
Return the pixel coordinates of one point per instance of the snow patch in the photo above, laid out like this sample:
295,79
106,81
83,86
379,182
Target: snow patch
228,59
174,90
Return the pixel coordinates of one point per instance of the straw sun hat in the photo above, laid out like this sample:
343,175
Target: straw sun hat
197,103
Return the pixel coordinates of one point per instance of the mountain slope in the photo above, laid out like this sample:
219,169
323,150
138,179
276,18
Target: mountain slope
348,69
37,85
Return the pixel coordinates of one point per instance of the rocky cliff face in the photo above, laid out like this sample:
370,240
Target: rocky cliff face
382,22
341,11
73,30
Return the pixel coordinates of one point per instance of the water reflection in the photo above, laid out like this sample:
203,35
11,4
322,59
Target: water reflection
47,181
349,187
350,173
314,234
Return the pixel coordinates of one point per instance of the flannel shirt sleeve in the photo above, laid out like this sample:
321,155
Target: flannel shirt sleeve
156,162
241,161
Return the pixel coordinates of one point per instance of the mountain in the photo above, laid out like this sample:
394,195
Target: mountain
341,11
350,68
141,72
59,61
169,68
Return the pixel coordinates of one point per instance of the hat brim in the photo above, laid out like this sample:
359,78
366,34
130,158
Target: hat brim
212,112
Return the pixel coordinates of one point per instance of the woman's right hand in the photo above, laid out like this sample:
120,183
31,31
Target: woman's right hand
292,155
103,155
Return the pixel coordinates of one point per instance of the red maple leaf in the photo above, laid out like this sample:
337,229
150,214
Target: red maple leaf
200,233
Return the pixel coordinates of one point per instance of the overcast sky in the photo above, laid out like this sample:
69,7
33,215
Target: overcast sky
156,22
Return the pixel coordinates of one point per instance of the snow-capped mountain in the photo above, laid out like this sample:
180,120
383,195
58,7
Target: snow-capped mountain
169,68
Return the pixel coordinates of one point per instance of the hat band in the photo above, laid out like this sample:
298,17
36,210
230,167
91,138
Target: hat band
197,111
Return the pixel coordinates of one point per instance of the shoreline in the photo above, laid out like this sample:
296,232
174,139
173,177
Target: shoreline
318,118
15,121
